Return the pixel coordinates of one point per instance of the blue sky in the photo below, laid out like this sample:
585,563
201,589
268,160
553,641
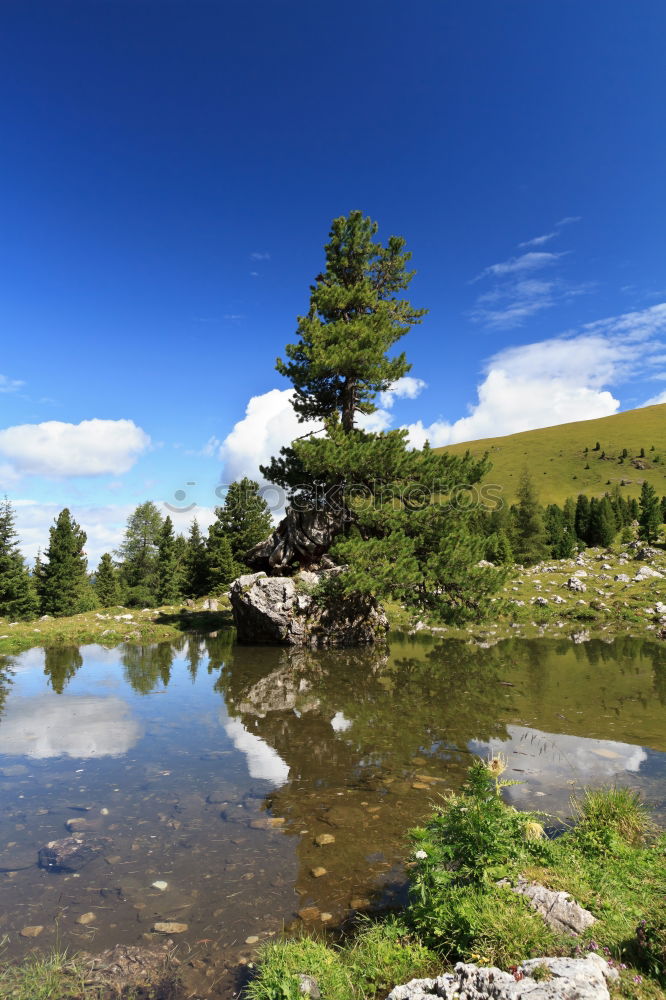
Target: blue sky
169,173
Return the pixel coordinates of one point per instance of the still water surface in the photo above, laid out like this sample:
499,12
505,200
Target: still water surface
213,768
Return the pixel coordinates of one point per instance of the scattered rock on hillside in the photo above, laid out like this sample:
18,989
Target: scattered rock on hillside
573,583
570,979
282,610
647,573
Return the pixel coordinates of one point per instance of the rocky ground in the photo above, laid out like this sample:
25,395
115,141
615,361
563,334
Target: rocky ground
601,592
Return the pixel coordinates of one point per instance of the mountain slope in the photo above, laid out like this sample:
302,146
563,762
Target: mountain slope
556,459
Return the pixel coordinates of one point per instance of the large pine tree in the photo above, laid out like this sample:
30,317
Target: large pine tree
18,598
64,584
370,484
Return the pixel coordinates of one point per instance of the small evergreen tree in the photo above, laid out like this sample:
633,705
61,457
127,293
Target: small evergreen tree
602,526
138,555
642,454
64,578
530,541
625,453
649,517
167,565
245,518
18,598
106,582
583,519
220,560
196,564
663,510
597,446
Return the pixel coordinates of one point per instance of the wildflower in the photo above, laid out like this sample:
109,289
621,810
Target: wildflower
638,979
420,855
533,831
593,946
496,765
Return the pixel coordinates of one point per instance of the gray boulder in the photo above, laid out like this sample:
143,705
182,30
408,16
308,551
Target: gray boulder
570,979
558,909
284,611
573,583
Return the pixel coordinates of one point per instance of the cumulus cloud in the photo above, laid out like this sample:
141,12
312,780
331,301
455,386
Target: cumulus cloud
10,384
92,448
270,423
554,381
79,726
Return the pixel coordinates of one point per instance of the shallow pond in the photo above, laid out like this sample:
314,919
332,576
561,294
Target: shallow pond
214,768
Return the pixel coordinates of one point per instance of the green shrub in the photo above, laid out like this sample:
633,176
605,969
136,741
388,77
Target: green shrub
651,944
605,815
281,963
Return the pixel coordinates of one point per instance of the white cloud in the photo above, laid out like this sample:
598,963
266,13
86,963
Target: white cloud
92,448
10,384
568,220
80,726
538,241
260,255
553,381
104,526
532,261
661,398
269,424
406,387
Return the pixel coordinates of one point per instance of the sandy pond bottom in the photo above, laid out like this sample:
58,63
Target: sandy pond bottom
214,770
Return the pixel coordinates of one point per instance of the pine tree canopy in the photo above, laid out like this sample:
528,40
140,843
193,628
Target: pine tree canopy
18,598
340,361
245,518
649,517
106,582
64,580
167,565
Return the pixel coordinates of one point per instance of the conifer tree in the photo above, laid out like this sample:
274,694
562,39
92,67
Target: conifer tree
663,510
560,536
167,565
64,576
106,582
138,555
649,517
18,598
602,525
530,540
221,568
196,582
180,556
583,518
244,518
370,485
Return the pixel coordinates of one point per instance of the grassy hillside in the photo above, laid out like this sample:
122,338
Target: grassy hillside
555,456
